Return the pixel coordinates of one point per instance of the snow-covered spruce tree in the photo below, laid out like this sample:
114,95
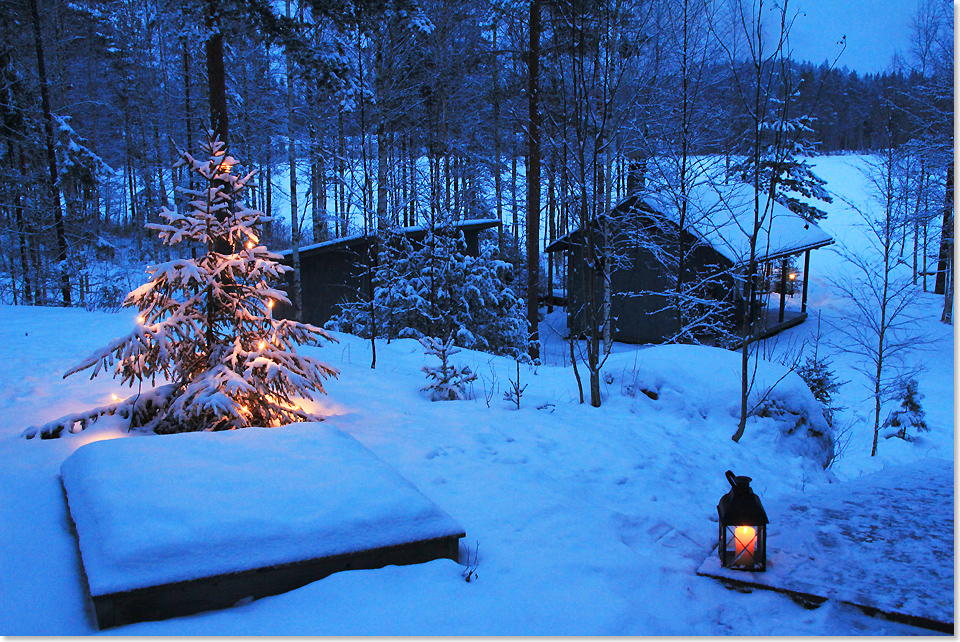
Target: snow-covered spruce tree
437,289
206,324
823,383
910,415
449,382
789,172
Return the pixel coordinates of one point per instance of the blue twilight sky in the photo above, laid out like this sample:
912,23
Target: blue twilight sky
875,29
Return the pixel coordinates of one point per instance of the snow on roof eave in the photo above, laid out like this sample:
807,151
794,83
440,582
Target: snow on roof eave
561,243
565,241
780,253
797,250
346,241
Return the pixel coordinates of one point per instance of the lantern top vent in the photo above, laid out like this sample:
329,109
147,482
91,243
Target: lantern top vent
740,505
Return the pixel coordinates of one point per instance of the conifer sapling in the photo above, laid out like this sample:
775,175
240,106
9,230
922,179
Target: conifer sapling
206,324
910,415
449,380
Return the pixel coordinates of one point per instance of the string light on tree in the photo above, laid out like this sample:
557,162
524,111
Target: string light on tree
201,343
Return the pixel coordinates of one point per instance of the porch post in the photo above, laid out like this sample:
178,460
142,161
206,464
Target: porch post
783,289
806,279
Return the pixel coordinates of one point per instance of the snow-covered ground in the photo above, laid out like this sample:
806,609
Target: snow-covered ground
584,521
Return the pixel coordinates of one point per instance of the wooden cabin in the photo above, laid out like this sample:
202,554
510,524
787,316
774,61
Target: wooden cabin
334,272
645,230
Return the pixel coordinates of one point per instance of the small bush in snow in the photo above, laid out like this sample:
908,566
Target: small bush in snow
823,383
910,415
515,391
449,382
807,433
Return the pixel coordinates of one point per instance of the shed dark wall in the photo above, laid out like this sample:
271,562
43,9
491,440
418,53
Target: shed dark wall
326,280
334,276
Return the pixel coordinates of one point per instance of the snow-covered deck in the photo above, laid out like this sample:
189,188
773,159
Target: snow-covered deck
883,542
176,524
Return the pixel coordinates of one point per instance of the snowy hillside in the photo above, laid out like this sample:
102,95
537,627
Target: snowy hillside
584,521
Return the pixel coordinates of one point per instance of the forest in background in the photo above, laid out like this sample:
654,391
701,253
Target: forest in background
400,113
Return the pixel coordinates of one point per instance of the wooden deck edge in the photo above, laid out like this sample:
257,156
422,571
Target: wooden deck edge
773,330
221,591
786,324
809,600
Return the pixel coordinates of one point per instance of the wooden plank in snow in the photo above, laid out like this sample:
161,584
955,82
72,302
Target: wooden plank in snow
883,543
223,591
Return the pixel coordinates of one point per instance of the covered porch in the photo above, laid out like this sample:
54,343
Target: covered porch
780,300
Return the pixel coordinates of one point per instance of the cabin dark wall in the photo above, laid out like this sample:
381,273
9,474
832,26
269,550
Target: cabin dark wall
641,315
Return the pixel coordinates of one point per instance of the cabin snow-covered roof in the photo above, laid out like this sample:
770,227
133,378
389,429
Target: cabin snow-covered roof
722,216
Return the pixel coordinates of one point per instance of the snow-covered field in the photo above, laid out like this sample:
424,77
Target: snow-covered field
584,521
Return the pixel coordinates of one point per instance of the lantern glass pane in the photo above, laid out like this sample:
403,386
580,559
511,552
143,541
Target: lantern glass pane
745,547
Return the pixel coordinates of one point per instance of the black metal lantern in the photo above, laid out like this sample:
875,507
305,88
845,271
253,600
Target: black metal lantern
743,527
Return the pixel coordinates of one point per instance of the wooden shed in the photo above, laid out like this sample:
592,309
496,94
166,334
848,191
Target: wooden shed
644,227
335,272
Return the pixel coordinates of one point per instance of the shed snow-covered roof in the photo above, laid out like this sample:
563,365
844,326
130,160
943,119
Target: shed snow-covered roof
413,230
201,504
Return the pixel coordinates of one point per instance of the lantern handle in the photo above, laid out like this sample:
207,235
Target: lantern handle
731,478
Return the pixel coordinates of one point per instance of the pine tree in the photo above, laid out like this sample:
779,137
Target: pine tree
789,172
206,324
437,289
823,383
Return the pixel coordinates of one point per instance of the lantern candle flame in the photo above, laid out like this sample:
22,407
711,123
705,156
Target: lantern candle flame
745,544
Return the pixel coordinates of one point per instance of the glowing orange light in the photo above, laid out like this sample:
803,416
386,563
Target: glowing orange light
115,397
140,319
262,345
270,303
745,543
792,276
